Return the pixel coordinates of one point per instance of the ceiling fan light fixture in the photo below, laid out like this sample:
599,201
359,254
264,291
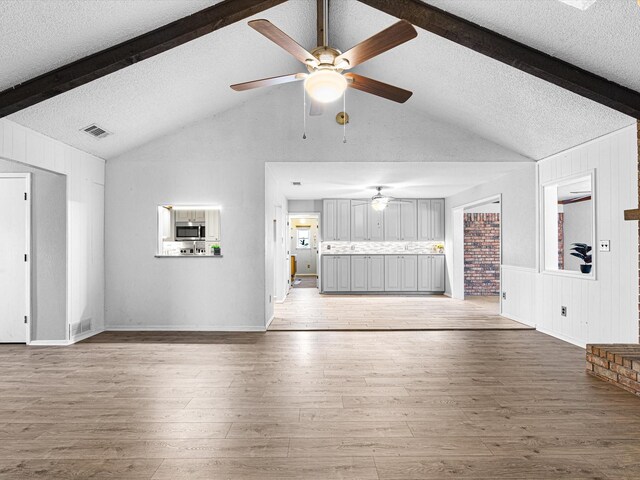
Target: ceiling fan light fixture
379,203
325,85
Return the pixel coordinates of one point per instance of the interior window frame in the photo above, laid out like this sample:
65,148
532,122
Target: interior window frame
558,182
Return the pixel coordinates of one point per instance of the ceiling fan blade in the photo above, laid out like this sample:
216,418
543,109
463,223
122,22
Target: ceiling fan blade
384,90
277,36
391,37
268,82
317,108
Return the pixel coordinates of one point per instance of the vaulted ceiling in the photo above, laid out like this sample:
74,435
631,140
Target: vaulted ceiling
451,84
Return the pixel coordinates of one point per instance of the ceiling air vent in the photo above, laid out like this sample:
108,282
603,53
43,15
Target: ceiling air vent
95,131
296,184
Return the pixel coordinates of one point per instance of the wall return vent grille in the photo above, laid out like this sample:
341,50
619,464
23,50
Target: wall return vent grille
95,131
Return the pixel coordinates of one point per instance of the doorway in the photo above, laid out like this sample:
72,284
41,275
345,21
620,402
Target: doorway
477,253
304,250
15,257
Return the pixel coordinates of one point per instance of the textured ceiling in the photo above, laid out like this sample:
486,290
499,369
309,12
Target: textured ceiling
406,179
40,35
450,83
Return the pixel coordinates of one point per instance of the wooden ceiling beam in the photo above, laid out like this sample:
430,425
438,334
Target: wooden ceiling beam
513,53
129,52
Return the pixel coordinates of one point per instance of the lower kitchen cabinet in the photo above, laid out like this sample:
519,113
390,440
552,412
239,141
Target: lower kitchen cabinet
431,273
336,273
367,273
401,273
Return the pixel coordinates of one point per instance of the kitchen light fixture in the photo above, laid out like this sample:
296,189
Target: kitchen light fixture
379,202
325,85
580,4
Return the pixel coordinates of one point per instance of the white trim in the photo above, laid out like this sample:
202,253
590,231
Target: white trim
515,318
516,268
270,320
540,207
85,335
183,328
49,343
562,337
27,249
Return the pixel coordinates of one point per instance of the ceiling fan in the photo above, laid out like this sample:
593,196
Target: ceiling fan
326,81
380,201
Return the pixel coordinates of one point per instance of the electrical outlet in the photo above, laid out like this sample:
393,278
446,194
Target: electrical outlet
563,311
604,246
504,295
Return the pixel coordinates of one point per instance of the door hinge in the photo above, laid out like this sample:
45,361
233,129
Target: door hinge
25,257
25,195
25,319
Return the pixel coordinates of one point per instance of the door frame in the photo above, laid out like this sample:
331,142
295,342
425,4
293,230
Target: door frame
457,282
27,247
318,217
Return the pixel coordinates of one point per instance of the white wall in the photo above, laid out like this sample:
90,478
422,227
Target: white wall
221,160
305,206
85,217
518,217
604,310
275,245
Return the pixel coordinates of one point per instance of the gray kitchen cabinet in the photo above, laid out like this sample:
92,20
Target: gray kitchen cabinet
409,273
366,223
431,273
359,273
375,273
336,220
431,220
401,273
367,273
400,221
408,220
336,273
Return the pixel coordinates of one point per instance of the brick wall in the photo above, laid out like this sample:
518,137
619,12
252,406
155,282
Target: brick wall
482,253
638,127
560,241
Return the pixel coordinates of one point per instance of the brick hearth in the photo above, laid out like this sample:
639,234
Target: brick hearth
616,363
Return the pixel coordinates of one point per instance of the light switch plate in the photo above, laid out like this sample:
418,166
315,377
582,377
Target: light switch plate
604,246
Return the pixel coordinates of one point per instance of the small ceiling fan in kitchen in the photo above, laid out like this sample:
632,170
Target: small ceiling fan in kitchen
326,80
380,201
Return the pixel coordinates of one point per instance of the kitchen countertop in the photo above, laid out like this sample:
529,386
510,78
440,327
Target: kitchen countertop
189,255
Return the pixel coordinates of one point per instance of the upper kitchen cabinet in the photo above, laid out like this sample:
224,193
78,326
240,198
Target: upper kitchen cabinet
400,221
193,216
366,223
336,220
431,220
212,225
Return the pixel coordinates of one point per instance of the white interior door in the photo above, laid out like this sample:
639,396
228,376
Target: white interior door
14,257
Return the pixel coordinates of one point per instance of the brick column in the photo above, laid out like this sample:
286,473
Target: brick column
638,129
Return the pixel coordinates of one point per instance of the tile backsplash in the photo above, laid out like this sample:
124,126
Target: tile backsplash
379,248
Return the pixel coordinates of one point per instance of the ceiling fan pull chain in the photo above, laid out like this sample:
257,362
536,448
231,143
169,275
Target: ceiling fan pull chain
304,113
344,124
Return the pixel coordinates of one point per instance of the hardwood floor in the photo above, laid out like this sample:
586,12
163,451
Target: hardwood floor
306,309
313,405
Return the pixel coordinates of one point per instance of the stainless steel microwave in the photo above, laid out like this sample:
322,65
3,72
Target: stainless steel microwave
189,231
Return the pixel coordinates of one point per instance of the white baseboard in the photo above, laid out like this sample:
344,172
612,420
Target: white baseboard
517,319
182,328
269,322
49,343
564,338
85,335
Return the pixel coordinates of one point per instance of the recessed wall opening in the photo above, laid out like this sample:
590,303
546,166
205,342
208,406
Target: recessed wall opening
366,247
482,253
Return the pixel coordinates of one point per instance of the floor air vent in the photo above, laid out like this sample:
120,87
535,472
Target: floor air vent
96,131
